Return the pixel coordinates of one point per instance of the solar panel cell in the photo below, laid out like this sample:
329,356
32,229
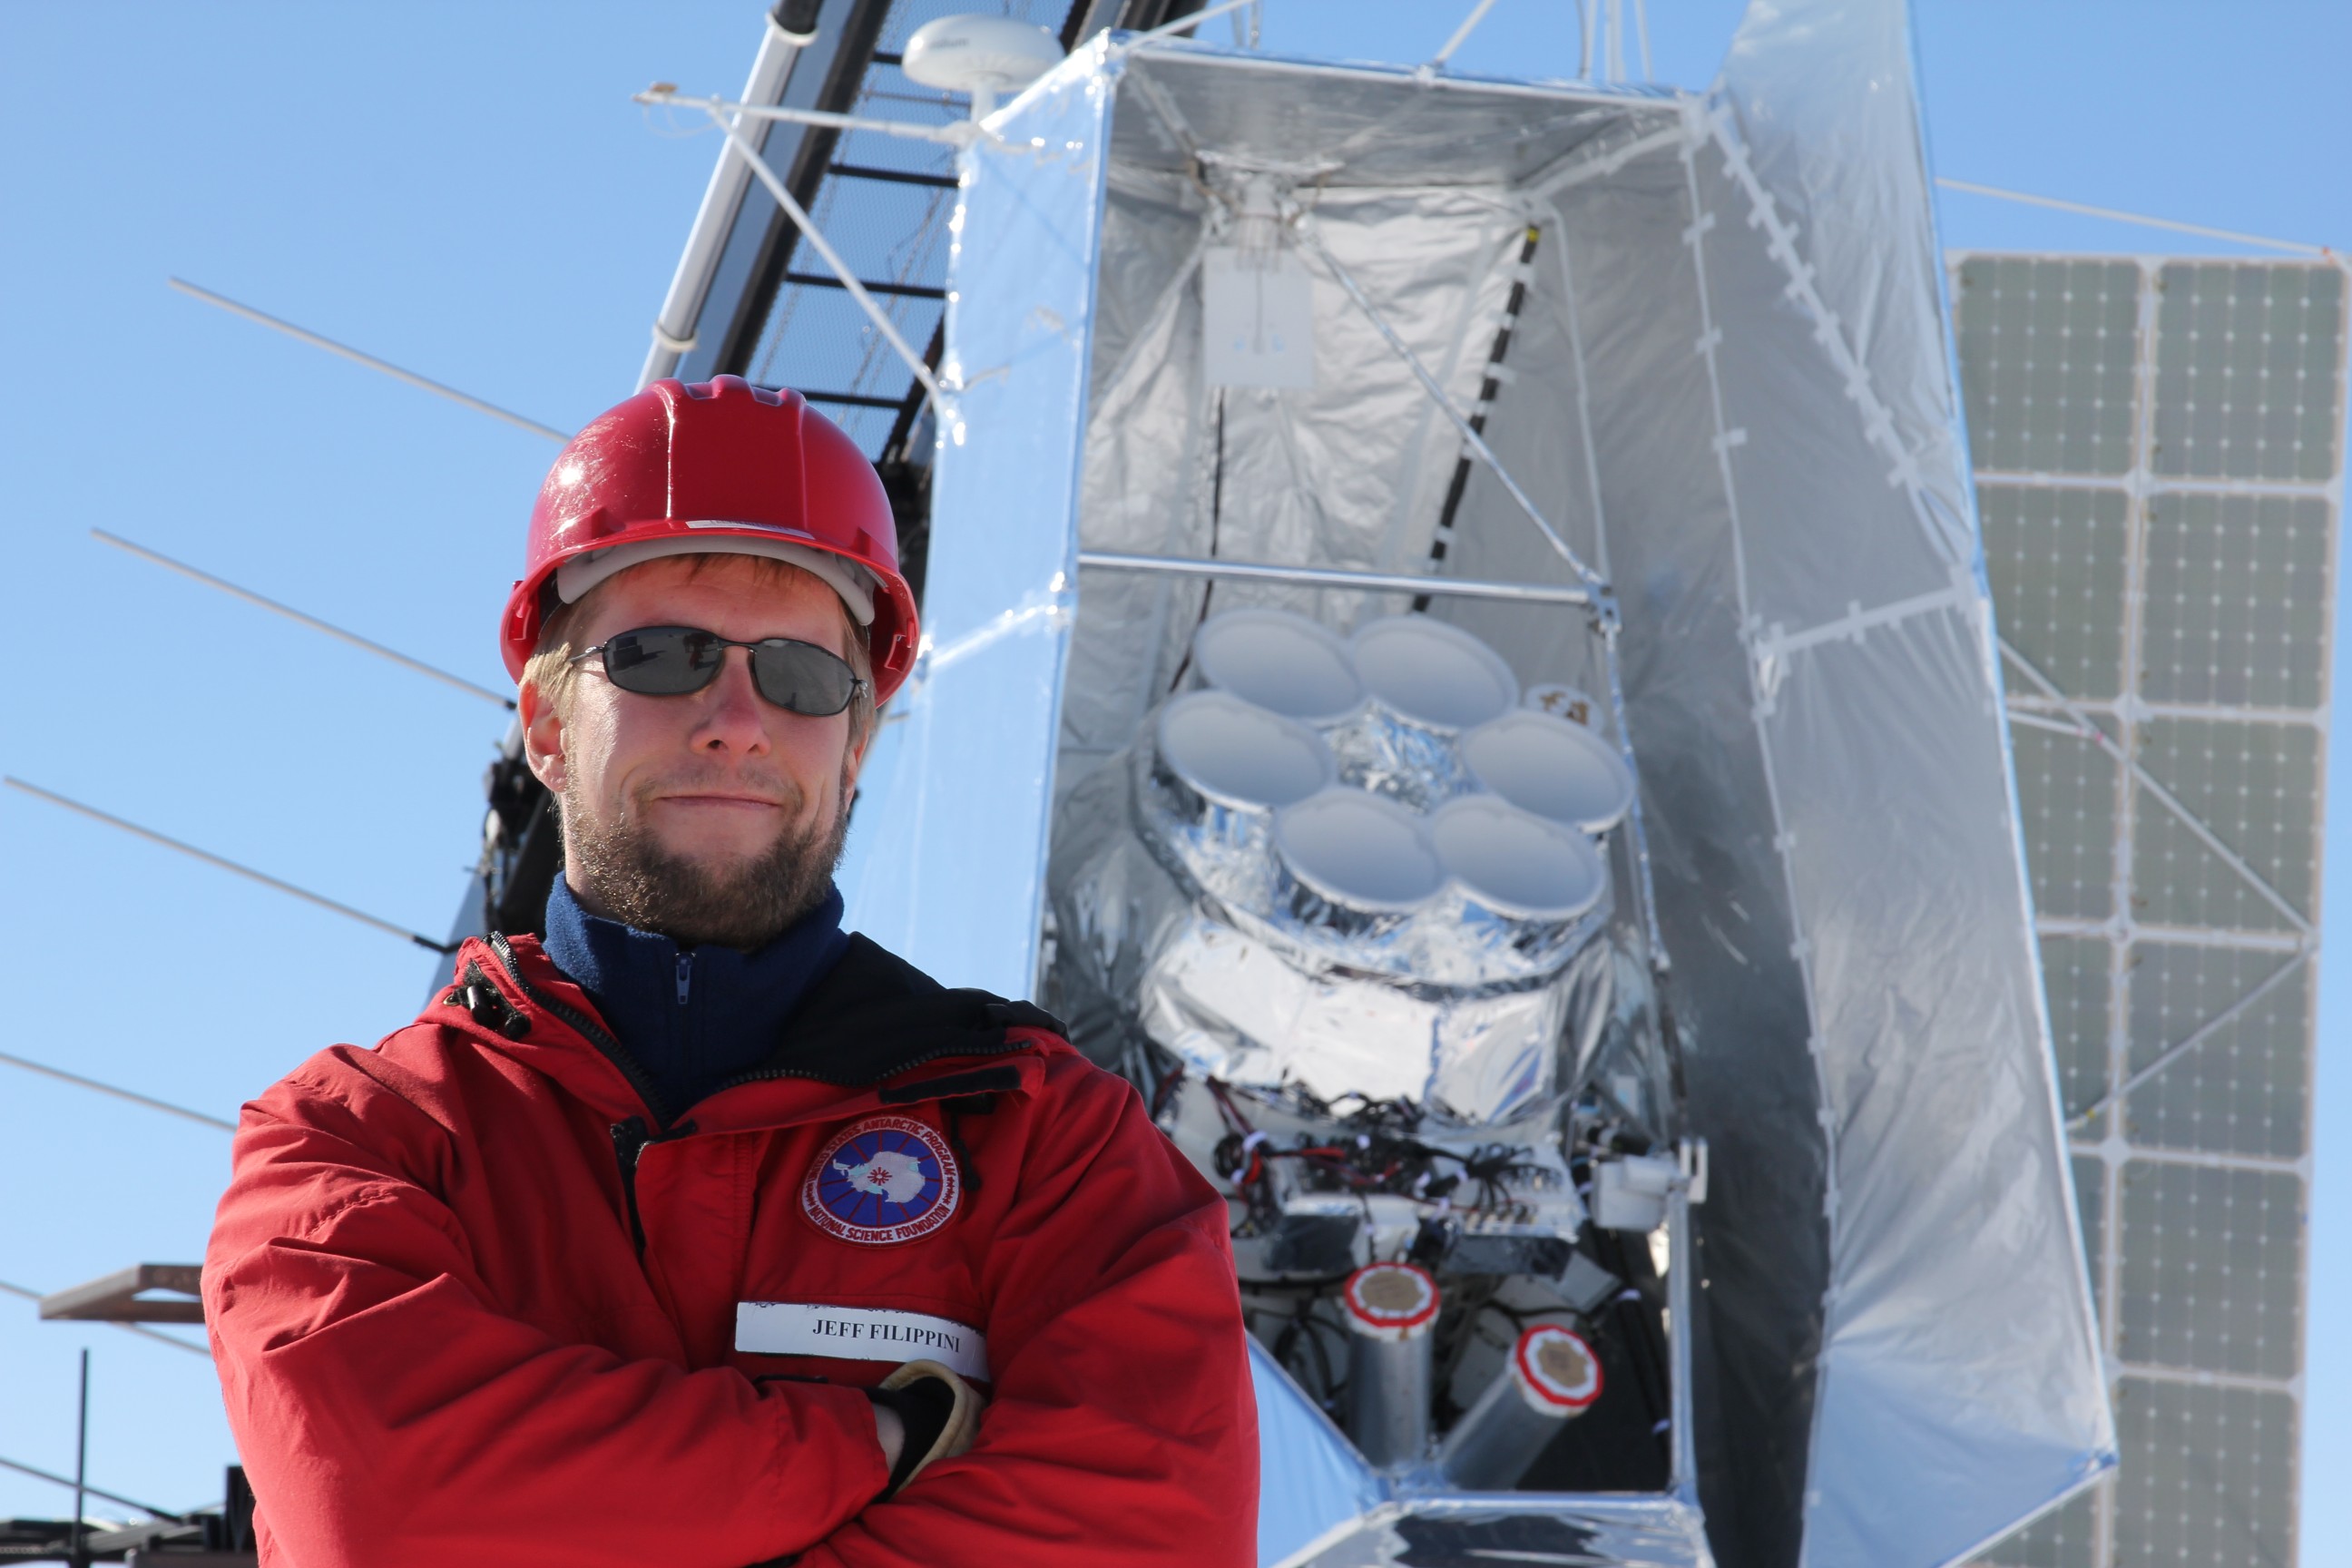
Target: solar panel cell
2207,1476
2212,1269
2051,345
2056,558
2067,791
2075,971
2245,371
2091,1201
2236,600
2061,1539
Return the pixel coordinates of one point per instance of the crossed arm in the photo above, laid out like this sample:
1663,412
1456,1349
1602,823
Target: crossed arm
1121,1427
389,1414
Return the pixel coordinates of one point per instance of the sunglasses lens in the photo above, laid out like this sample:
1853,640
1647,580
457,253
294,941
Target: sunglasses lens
803,677
663,661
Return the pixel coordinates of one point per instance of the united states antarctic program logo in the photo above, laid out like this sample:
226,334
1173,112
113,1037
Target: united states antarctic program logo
888,1178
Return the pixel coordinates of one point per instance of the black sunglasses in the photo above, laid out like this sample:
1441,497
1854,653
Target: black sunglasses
670,661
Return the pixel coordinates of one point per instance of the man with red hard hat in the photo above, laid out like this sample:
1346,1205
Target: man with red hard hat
699,1232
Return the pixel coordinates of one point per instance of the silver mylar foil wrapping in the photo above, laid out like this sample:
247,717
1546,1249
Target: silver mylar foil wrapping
1173,930
1425,683
1382,750
1232,1008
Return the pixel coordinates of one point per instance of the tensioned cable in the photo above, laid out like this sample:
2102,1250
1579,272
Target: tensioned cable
956,133
133,1096
207,855
313,622
2293,247
69,1482
423,383
141,1329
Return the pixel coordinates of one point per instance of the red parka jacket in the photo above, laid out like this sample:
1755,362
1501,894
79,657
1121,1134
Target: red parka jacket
475,1301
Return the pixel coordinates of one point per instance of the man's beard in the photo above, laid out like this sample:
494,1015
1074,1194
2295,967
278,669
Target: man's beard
628,877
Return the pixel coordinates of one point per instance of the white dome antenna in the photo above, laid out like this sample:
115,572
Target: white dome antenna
984,55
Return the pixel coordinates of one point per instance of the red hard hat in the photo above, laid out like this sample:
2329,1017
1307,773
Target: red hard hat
678,468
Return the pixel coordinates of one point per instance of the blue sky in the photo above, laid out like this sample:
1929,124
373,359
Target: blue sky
466,190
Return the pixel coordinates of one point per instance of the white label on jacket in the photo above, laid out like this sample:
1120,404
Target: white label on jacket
860,1333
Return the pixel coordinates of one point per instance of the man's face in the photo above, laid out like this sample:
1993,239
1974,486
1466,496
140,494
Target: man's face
712,816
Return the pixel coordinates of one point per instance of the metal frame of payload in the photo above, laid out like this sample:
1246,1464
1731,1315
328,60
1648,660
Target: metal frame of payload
1727,389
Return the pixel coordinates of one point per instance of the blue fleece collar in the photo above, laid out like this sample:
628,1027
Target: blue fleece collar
691,1017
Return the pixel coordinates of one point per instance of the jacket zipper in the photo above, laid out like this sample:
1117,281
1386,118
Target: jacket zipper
586,1027
631,1137
486,1006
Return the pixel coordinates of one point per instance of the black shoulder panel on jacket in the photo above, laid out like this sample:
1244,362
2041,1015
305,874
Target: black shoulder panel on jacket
874,1015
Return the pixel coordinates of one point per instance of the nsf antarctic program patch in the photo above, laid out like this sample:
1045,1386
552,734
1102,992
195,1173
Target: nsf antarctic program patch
887,1179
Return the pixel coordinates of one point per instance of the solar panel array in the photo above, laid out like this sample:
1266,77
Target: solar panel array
2159,451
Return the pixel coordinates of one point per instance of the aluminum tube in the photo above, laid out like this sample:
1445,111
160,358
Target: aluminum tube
1335,577
682,306
955,133
1552,1376
1391,1308
1636,101
1683,1442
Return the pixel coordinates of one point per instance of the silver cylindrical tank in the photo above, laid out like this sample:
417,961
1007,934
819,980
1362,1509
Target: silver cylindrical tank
1218,769
1552,1376
1522,892
1391,1308
1284,663
1557,769
1352,871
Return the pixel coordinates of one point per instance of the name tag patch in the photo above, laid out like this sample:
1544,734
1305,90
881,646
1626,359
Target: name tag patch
860,1333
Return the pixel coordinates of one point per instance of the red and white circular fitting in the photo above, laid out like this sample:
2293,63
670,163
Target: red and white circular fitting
1390,1301
1556,1371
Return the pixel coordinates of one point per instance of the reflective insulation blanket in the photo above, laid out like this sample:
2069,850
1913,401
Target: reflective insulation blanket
1726,385
1259,1002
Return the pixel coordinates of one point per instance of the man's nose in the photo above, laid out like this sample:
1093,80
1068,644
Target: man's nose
735,718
